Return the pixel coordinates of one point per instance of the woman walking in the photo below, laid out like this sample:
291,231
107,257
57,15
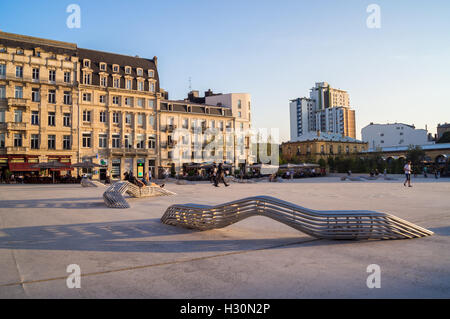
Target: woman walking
407,168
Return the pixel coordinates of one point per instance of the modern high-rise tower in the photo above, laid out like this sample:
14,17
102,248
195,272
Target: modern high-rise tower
326,110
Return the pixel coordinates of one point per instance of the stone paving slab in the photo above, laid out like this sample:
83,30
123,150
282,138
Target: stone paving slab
129,254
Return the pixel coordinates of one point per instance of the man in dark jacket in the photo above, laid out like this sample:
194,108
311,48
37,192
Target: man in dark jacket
220,176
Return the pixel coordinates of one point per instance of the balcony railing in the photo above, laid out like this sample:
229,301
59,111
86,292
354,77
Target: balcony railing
37,81
130,151
17,126
18,102
16,149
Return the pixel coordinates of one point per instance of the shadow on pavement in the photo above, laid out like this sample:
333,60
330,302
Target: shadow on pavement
115,237
68,203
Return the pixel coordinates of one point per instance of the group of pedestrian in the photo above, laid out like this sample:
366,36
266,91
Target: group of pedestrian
408,169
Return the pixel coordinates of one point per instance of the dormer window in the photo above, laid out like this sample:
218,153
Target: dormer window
87,63
102,66
139,72
128,70
115,68
151,73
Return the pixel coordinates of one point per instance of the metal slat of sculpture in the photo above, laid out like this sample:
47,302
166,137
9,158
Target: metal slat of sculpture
320,224
86,182
147,191
114,195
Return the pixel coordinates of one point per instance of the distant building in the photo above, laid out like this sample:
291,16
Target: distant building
441,129
313,146
326,110
391,135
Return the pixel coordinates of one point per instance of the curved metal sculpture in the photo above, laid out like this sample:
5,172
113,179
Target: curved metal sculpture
86,182
114,194
320,224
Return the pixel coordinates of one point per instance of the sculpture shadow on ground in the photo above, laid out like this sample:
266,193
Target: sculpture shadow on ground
442,231
67,203
118,237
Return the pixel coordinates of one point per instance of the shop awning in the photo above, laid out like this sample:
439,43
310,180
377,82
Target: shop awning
22,167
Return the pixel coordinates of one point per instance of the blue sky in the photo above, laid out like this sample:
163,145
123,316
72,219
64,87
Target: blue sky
275,50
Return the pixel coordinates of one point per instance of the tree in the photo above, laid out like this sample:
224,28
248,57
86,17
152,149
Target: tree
322,163
416,155
445,138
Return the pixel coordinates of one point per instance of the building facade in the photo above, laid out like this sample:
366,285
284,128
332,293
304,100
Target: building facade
313,147
38,102
391,135
240,106
187,130
60,102
119,102
326,110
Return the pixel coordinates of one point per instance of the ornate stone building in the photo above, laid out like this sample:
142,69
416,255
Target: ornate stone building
38,102
119,101
60,102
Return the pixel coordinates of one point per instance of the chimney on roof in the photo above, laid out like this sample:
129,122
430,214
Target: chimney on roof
155,59
209,93
193,95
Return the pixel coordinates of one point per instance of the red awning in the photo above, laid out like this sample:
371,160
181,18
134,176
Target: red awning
22,167
61,169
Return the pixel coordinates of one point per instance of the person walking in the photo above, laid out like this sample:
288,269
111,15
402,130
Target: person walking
407,168
220,177
214,174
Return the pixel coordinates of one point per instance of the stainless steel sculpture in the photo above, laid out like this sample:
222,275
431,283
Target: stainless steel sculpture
86,182
114,194
320,224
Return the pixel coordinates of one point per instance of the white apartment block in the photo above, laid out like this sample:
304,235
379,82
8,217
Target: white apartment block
301,115
390,135
240,104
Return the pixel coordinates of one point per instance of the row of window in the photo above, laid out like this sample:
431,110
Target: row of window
18,118
116,68
35,53
36,95
116,118
36,73
201,123
86,141
35,141
116,141
87,79
331,149
117,100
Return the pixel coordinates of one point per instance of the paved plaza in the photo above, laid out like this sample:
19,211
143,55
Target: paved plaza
129,253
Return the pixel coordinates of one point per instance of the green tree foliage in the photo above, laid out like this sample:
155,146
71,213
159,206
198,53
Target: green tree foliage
445,138
416,155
